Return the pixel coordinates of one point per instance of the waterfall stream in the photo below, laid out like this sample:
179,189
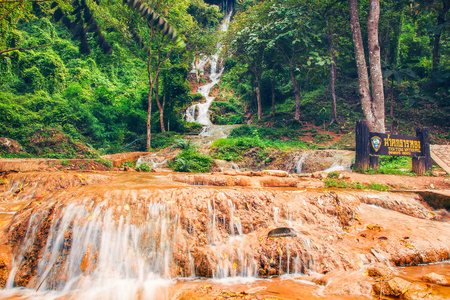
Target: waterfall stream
200,112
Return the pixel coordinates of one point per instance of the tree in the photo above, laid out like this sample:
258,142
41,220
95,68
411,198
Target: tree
291,31
203,40
248,45
441,7
373,107
325,9
160,33
395,73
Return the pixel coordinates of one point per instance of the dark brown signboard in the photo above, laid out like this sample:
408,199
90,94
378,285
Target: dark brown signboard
395,145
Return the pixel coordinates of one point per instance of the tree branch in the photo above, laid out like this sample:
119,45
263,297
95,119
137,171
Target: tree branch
11,10
15,1
26,48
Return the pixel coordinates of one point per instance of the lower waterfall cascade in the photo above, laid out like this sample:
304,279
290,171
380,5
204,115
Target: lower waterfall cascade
135,236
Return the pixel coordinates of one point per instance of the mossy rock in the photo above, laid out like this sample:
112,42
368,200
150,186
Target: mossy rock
52,143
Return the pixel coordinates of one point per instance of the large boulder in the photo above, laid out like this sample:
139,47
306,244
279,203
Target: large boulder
319,160
392,288
437,279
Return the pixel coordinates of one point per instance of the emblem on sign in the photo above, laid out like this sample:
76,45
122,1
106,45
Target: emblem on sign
376,143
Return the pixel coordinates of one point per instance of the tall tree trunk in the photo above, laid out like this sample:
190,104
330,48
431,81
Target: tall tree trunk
391,95
160,107
149,114
437,36
363,76
376,75
296,92
258,97
273,95
257,75
149,99
332,72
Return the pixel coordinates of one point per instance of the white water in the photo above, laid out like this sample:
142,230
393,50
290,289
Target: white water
336,161
200,112
118,259
111,257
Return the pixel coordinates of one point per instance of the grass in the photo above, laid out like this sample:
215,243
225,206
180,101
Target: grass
16,155
393,165
263,139
337,183
106,162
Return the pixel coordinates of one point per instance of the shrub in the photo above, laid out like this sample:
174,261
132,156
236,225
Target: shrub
143,167
164,139
197,97
232,149
191,161
106,162
187,145
191,127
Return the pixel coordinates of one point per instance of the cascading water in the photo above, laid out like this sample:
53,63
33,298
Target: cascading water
133,243
200,112
135,236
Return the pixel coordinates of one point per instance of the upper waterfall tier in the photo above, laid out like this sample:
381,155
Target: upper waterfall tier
200,112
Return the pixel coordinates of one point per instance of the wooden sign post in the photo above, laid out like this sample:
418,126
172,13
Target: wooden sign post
369,145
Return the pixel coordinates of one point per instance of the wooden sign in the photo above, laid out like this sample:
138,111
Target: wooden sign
395,145
369,145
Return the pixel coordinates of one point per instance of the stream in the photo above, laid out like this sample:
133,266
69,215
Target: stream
156,236
200,112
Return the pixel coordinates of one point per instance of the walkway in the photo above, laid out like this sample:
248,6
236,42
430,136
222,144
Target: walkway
441,155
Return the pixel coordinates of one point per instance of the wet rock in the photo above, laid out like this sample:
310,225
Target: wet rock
127,168
379,256
417,291
5,268
278,182
312,184
318,160
224,166
320,280
119,159
278,173
40,185
203,220
281,232
162,170
236,180
410,205
319,175
436,279
354,283
380,271
393,288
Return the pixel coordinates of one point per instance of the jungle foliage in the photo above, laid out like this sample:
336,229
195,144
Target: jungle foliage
53,78
284,51
82,68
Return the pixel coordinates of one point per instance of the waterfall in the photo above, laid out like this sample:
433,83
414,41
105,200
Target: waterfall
200,112
118,243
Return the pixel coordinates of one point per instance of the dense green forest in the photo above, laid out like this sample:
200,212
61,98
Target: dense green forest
90,68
